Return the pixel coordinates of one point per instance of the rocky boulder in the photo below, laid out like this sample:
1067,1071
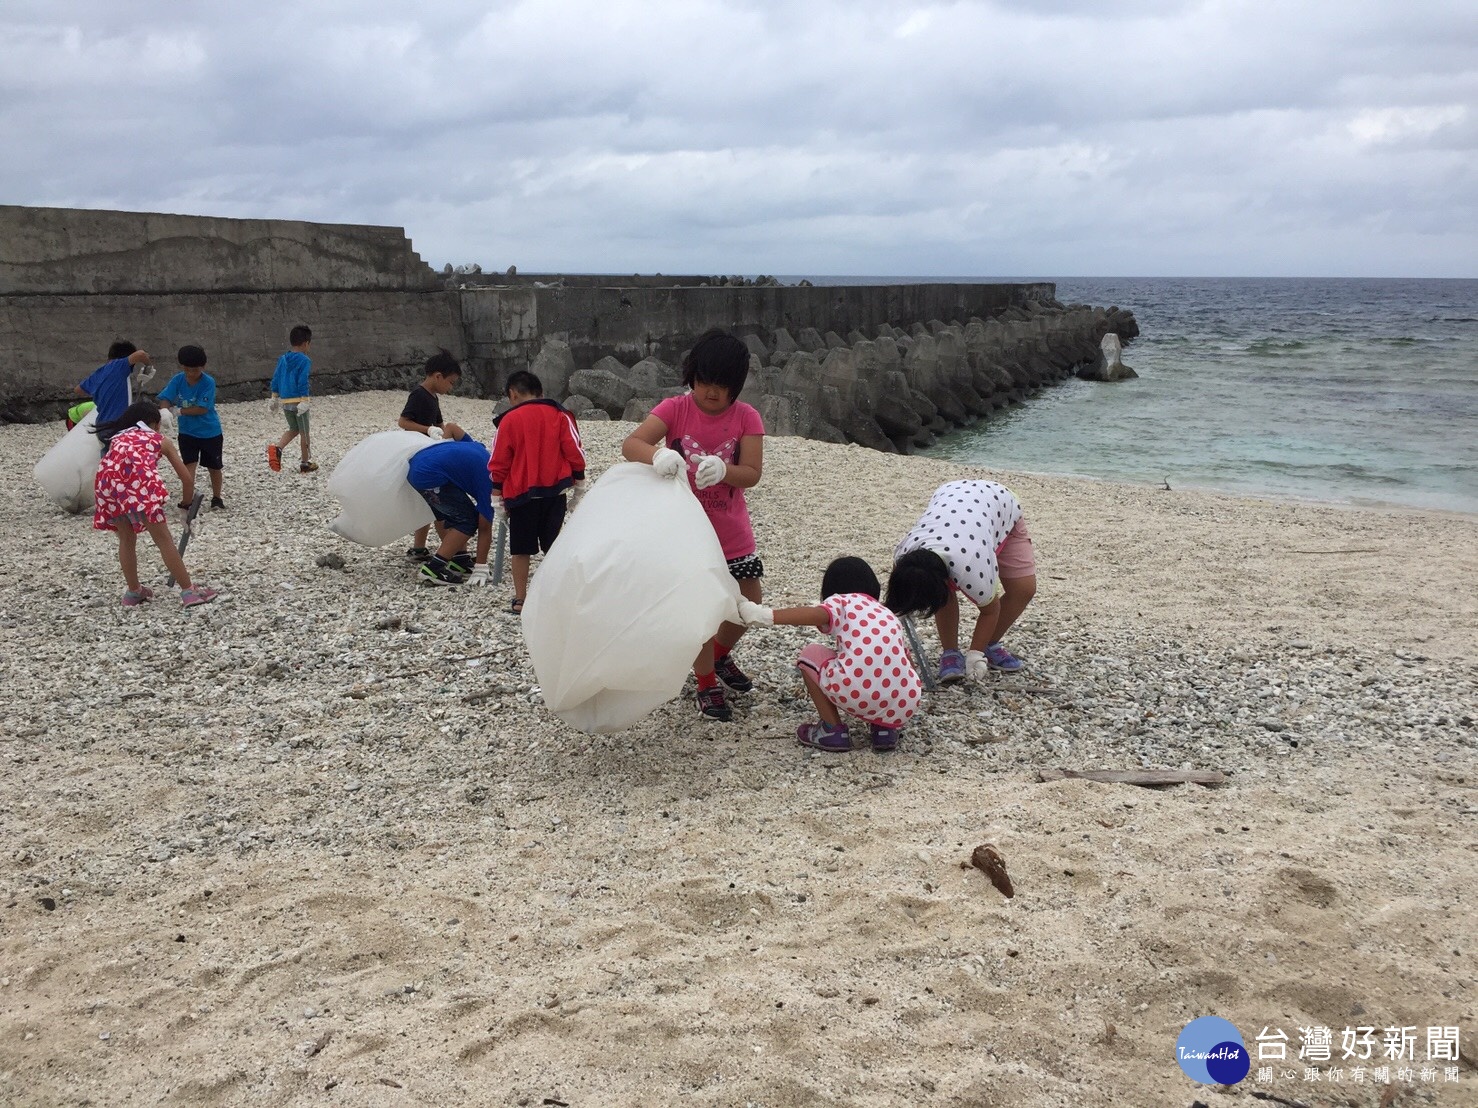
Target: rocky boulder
607,391
757,348
1108,366
810,340
648,377
553,365
638,408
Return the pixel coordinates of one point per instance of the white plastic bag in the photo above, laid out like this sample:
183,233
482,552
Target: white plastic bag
68,470
625,599
377,505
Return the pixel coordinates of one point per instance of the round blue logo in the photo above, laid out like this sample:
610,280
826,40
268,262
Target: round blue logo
1210,1050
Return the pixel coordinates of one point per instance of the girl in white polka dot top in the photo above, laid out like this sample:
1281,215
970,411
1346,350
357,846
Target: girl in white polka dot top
868,675
972,538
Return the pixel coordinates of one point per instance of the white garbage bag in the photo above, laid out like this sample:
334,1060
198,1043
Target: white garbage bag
623,602
68,470
377,505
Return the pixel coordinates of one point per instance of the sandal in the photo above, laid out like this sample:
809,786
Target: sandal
825,737
516,606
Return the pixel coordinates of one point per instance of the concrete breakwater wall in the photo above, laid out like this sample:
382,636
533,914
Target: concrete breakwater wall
894,391
74,281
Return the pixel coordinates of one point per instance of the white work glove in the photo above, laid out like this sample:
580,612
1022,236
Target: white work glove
435,433
711,470
499,507
755,615
667,462
144,373
274,405
479,575
166,421
303,404
976,667
577,490
182,516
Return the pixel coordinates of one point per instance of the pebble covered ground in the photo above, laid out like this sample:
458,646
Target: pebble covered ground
319,840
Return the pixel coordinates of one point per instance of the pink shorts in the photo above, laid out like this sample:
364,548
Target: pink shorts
814,657
1014,557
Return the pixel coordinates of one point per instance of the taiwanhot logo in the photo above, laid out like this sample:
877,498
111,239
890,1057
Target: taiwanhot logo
1210,1050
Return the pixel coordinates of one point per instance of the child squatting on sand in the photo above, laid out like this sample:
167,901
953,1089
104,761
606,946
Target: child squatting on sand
718,441
868,675
130,498
970,537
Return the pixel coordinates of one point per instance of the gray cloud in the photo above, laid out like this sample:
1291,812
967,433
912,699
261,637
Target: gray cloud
704,136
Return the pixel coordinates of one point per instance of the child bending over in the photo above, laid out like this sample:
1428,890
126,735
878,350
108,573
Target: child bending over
130,498
422,414
970,537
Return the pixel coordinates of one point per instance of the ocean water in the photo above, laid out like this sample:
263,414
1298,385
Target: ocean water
1349,390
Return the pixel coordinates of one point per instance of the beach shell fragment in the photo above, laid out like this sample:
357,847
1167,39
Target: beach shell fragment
987,859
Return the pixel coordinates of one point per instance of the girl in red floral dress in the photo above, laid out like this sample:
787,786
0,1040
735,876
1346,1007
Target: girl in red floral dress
130,498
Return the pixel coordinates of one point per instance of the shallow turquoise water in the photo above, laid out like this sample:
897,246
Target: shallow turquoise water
1364,391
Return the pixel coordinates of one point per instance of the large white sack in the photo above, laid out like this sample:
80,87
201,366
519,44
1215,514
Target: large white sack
630,592
70,468
376,504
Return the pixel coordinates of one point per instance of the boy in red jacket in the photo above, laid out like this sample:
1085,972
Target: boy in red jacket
536,456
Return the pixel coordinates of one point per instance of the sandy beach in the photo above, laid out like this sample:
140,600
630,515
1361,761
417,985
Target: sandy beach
319,842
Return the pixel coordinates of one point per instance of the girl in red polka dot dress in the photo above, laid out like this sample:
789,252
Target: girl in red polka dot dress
868,675
130,498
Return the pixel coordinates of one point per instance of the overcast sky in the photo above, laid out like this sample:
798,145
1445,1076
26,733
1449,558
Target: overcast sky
1028,138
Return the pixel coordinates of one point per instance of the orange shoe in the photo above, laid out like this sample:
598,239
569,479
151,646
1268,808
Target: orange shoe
274,457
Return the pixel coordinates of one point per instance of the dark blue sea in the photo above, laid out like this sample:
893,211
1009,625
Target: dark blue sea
1361,391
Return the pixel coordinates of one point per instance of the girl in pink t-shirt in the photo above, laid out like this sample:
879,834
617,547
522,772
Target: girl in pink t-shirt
718,442
868,675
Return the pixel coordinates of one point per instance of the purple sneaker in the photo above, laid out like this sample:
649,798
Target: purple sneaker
951,667
133,599
831,738
193,598
884,738
998,657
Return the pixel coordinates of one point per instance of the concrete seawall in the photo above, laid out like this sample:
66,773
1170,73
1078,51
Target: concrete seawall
74,281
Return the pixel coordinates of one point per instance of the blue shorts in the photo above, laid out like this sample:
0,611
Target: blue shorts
452,507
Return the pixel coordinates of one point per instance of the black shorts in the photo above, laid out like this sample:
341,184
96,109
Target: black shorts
747,568
534,525
208,452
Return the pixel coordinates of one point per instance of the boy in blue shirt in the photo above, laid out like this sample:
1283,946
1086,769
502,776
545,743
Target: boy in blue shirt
108,386
193,392
452,477
290,397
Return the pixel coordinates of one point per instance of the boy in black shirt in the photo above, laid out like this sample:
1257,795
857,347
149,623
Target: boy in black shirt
422,413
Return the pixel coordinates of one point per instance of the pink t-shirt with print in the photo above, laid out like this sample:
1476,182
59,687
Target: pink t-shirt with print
693,433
